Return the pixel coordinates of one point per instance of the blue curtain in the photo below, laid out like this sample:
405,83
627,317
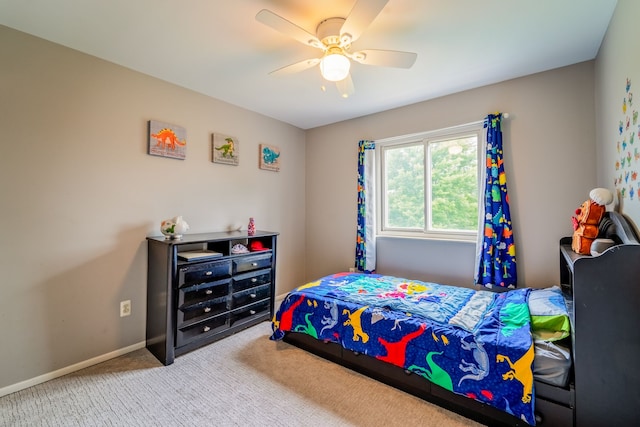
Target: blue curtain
365,238
496,251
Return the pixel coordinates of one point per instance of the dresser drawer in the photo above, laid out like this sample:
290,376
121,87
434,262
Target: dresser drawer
203,292
204,271
551,414
250,296
251,280
251,262
248,312
188,314
200,330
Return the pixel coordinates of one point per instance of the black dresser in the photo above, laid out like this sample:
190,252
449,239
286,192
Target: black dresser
192,302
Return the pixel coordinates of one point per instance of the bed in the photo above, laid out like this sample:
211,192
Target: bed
468,350
584,371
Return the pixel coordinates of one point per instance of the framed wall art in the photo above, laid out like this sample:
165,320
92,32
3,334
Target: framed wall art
167,140
225,149
269,157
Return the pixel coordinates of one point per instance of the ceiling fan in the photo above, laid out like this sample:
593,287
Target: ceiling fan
334,37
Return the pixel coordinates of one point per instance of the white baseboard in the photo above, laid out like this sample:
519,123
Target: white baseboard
85,364
69,369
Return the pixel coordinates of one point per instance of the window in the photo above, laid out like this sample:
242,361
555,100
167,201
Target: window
428,184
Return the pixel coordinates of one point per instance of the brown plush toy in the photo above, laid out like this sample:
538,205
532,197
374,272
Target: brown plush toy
588,216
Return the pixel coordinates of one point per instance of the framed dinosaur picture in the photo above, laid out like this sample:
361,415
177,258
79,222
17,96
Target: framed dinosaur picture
167,140
269,157
225,149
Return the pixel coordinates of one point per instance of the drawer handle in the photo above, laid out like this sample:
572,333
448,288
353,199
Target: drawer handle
208,292
253,295
254,280
207,309
206,329
252,312
208,273
254,264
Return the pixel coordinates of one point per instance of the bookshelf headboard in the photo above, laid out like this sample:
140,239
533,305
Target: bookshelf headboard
619,228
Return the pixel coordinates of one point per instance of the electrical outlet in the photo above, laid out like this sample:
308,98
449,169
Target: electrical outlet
125,308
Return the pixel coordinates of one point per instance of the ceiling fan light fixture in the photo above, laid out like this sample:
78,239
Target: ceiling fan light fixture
345,87
334,37
335,67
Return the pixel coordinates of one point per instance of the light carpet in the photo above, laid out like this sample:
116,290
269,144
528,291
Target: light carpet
242,380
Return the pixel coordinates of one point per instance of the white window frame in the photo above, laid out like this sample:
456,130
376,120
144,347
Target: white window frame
424,139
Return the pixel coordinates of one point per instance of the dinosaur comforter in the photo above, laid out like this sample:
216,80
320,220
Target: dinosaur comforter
474,343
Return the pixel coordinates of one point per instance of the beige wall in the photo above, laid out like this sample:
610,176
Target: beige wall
617,61
79,196
549,143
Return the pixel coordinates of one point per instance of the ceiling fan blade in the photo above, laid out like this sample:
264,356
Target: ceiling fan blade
297,67
288,28
385,58
360,17
345,87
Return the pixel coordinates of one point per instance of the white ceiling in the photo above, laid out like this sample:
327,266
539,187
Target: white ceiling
216,47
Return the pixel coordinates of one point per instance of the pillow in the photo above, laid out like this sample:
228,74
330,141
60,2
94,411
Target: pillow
549,357
549,315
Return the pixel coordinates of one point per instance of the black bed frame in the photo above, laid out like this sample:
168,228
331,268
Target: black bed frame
548,413
555,406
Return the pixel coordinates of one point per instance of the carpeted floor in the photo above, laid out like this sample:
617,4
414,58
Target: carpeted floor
242,380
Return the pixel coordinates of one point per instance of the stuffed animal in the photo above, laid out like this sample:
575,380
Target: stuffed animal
588,216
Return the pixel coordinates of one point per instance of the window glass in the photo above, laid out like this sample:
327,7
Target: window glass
404,185
428,184
454,184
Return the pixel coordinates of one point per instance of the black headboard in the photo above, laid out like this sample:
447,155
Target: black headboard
617,227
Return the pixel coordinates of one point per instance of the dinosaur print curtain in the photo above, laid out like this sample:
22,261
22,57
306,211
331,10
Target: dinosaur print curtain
365,235
496,253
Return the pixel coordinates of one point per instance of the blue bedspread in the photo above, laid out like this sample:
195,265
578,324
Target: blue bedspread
474,343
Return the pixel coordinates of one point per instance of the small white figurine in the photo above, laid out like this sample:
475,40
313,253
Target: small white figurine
174,228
